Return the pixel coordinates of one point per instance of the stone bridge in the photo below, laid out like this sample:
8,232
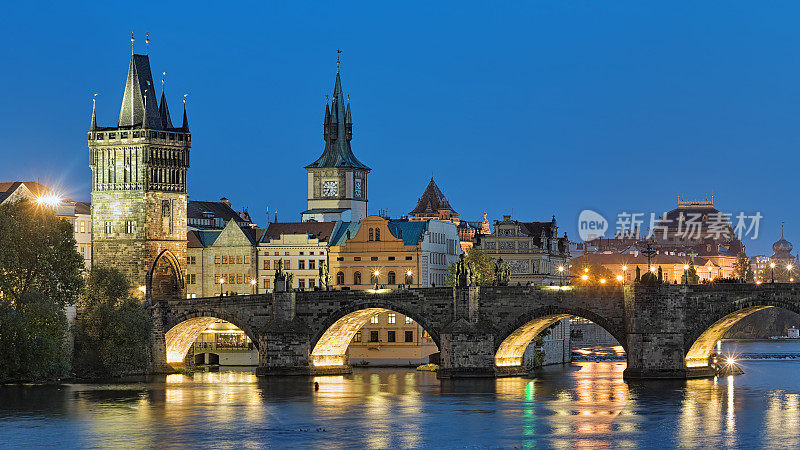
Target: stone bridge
667,331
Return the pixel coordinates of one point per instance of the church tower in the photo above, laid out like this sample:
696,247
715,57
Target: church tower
139,188
337,181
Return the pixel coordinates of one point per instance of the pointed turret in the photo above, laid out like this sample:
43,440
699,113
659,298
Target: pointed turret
185,126
433,204
139,105
338,133
163,111
93,125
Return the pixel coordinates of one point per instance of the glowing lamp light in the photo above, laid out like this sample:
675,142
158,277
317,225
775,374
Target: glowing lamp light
409,273
602,281
619,277
758,282
730,361
652,269
584,277
50,200
685,267
143,289
560,268
772,265
222,281
376,273
586,270
789,267
253,282
624,267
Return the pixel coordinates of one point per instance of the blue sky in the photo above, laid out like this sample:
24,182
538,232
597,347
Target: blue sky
540,107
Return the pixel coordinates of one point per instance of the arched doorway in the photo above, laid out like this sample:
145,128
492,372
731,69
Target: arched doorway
165,278
373,332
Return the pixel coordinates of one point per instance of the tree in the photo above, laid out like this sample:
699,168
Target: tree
481,262
742,266
112,336
38,254
40,273
594,273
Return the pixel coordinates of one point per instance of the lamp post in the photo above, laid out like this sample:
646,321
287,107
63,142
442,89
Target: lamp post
561,275
409,280
621,279
624,274
377,273
253,283
772,269
221,282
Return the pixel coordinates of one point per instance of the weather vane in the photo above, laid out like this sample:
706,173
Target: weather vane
132,39
163,80
184,99
147,43
338,52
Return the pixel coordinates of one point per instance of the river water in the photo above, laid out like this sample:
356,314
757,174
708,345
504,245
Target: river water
585,405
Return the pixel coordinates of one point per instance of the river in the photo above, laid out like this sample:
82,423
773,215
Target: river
586,405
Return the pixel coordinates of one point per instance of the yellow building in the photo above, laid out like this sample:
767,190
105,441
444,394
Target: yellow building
390,338
367,254
300,247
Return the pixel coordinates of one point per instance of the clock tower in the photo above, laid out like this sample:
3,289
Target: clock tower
337,181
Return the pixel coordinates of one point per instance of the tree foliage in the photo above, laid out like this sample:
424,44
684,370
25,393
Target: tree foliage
742,266
112,335
38,255
40,273
481,262
594,273
33,339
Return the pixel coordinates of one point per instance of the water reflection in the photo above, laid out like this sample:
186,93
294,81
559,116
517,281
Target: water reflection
583,405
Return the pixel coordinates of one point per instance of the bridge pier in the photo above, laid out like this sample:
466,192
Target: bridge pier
655,316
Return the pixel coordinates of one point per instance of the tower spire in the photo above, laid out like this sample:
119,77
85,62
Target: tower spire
185,126
338,61
93,125
147,43
132,40
163,109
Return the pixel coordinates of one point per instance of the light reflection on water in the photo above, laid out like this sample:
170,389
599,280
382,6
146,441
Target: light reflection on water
583,405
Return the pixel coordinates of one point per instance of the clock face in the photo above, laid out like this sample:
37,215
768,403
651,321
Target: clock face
329,188
357,188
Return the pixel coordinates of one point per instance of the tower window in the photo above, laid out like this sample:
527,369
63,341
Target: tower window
377,234
107,227
129,226
371,234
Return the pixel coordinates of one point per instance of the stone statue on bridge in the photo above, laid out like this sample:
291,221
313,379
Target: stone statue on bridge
324,280
283,280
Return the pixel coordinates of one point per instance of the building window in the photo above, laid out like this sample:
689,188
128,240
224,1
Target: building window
391,258
301,265
301,283
312,264
239,279
409,320
340,258
247,260
83,226
129,226
373,319
371,234
239,259
391,278
286,264
377,234
312,283
373,336
216,278
266,283
108,227
391,336
340,278
357,337
217,259
357,278
409,258
224,260
266,265
356,258
391,318
409,336
373,258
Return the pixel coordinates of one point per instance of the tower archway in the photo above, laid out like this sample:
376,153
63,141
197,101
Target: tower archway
165,278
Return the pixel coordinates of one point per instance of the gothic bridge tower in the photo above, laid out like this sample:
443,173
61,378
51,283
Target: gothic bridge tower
337,180
139,188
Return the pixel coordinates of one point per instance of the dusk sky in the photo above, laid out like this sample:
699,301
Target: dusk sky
540,107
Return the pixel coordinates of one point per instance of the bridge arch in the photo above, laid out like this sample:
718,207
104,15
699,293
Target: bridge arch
518,334
186,328
700,344
165,277
329,345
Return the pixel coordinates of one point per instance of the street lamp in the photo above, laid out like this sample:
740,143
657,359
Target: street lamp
409,280
624,274
602,281
584,277
253,283
221,282
377,273
621,279
772,268
561,275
